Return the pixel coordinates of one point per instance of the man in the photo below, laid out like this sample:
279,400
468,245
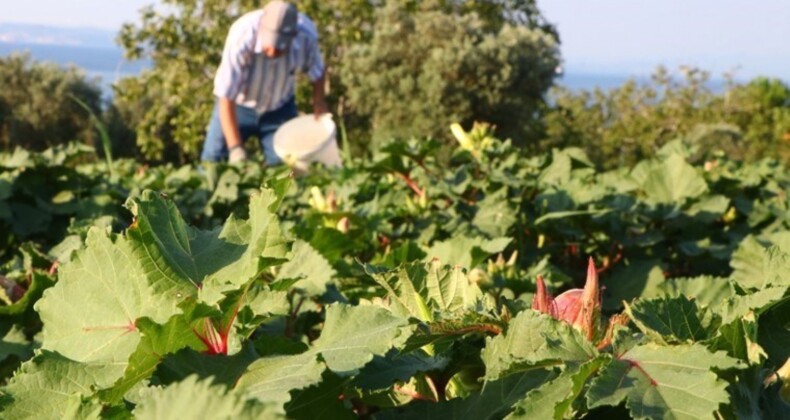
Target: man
254,84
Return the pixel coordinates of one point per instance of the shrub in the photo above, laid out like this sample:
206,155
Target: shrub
36,105
623,125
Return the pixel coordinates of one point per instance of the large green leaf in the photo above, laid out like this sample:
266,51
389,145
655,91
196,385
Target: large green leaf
271,378
310,267
673,182
755,267
663,382
673,320
50,386
90,314
194,398
176,257
554,400
534,339
156,342
351,337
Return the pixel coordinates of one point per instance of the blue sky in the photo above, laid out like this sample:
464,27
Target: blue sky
633,36
601,36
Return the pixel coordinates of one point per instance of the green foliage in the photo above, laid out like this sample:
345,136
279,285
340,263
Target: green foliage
623,125
384,288
36,106
663,382
425,69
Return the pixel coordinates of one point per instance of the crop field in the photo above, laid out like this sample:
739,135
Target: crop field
486,284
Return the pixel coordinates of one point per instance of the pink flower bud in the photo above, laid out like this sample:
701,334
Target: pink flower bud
579,307
543,302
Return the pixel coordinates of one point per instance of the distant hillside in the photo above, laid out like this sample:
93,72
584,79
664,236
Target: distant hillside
21,33
93,50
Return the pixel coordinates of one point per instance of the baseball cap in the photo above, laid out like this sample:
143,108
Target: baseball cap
278,24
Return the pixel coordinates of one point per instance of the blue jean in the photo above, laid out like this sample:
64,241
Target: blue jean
250,124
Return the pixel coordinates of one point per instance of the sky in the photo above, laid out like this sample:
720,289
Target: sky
601,36
634,36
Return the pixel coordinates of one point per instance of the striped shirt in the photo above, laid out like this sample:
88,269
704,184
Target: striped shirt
253,80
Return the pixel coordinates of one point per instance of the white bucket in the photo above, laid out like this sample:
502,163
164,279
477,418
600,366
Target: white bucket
305,139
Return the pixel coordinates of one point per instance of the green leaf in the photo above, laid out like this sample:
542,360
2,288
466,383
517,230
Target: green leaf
774,332
707,291
221,369
559,171
195,398
534,339
759,301
739,340
50,386
495,216
663,382
14,343
321,401
554,400
176,257
673,320
29,220
90,314
464,251
673,182
640,278
271,378
755,267
156,342
170,251
419,290
308,266
351,337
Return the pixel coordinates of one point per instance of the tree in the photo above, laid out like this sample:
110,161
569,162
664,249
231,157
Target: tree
426,68
37,109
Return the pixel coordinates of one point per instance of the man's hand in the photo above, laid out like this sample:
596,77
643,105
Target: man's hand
237,154
319,98
320,108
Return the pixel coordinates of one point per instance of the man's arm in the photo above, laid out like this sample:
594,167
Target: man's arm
227,84
319,96
230,126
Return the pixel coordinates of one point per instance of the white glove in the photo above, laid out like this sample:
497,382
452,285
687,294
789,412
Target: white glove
237,154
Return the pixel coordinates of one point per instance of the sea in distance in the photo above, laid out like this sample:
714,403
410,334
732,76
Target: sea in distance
108,65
